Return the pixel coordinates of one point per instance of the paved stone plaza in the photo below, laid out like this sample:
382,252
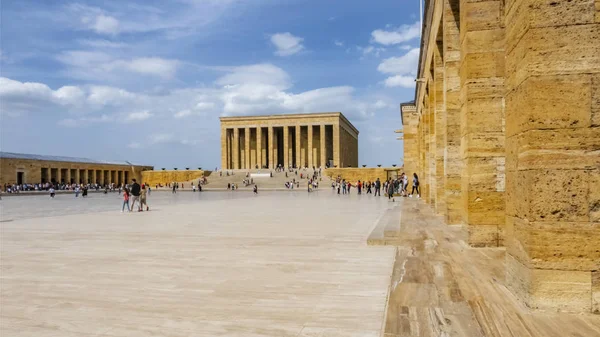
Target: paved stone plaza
210,264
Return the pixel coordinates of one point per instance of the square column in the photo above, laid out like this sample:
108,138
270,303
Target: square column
298,146
236,149
270,147
310,146
259,152
552,162
247,148
453,161
224,151
336,144
482,77
322,144
68,176
286,145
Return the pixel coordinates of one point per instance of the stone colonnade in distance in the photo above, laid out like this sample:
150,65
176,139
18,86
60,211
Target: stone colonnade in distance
504,134
289,140
15,170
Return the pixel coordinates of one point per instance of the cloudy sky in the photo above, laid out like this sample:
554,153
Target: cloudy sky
146,81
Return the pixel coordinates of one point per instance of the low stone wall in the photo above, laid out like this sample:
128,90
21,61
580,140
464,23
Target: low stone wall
164,177
354,174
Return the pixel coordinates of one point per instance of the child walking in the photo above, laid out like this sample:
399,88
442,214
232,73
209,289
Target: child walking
125,200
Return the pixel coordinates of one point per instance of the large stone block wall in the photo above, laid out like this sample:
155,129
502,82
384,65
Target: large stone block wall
553,153
362,173
168,176
508,138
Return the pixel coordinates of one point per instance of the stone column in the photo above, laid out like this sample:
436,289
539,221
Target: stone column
552,160
336,144
259,152
247,147
432,144
298,145
440,130
286,145
223,148
482,121
275,152
310,146
59,175
322,144
270,147
452,159
236,149
68,176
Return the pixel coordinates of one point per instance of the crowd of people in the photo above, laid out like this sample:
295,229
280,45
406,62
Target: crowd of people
390,187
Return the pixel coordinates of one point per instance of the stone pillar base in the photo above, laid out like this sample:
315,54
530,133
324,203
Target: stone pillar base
561,290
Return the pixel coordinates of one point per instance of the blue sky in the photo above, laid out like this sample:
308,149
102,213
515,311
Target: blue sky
146,81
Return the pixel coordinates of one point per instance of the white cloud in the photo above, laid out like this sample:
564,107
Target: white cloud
338,43
104,24
244,90
160,138
405,47
370,50
403,69
138,116
134,145
99,43
380,105
403,65
400,81
97,65
148,65
286,44
402,34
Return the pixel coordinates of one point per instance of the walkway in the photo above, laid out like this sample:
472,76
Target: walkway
280,264
442,287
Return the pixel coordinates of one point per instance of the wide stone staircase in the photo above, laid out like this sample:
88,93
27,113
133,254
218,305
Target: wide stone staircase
260,177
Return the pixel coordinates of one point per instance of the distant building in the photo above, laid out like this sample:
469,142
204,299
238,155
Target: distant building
21,168
299,140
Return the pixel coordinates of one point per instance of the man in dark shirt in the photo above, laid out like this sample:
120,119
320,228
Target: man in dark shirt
135,192
378,187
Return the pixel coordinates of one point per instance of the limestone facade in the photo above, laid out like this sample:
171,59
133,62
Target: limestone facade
505,137
363,174
18,168
164,177
297,140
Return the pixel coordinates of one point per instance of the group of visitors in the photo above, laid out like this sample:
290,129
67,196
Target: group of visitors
390,187
137,194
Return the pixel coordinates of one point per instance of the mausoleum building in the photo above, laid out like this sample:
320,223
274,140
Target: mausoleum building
289,140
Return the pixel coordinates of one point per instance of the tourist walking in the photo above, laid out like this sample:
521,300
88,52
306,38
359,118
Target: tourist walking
76,191
51,190
255,189
135,192
415,186
85,191
125,200
390,190
143,199
174,189
377,187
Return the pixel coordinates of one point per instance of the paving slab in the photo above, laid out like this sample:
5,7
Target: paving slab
213,264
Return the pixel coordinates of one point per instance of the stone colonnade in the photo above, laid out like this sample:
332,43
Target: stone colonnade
305,140
33,171
505,137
